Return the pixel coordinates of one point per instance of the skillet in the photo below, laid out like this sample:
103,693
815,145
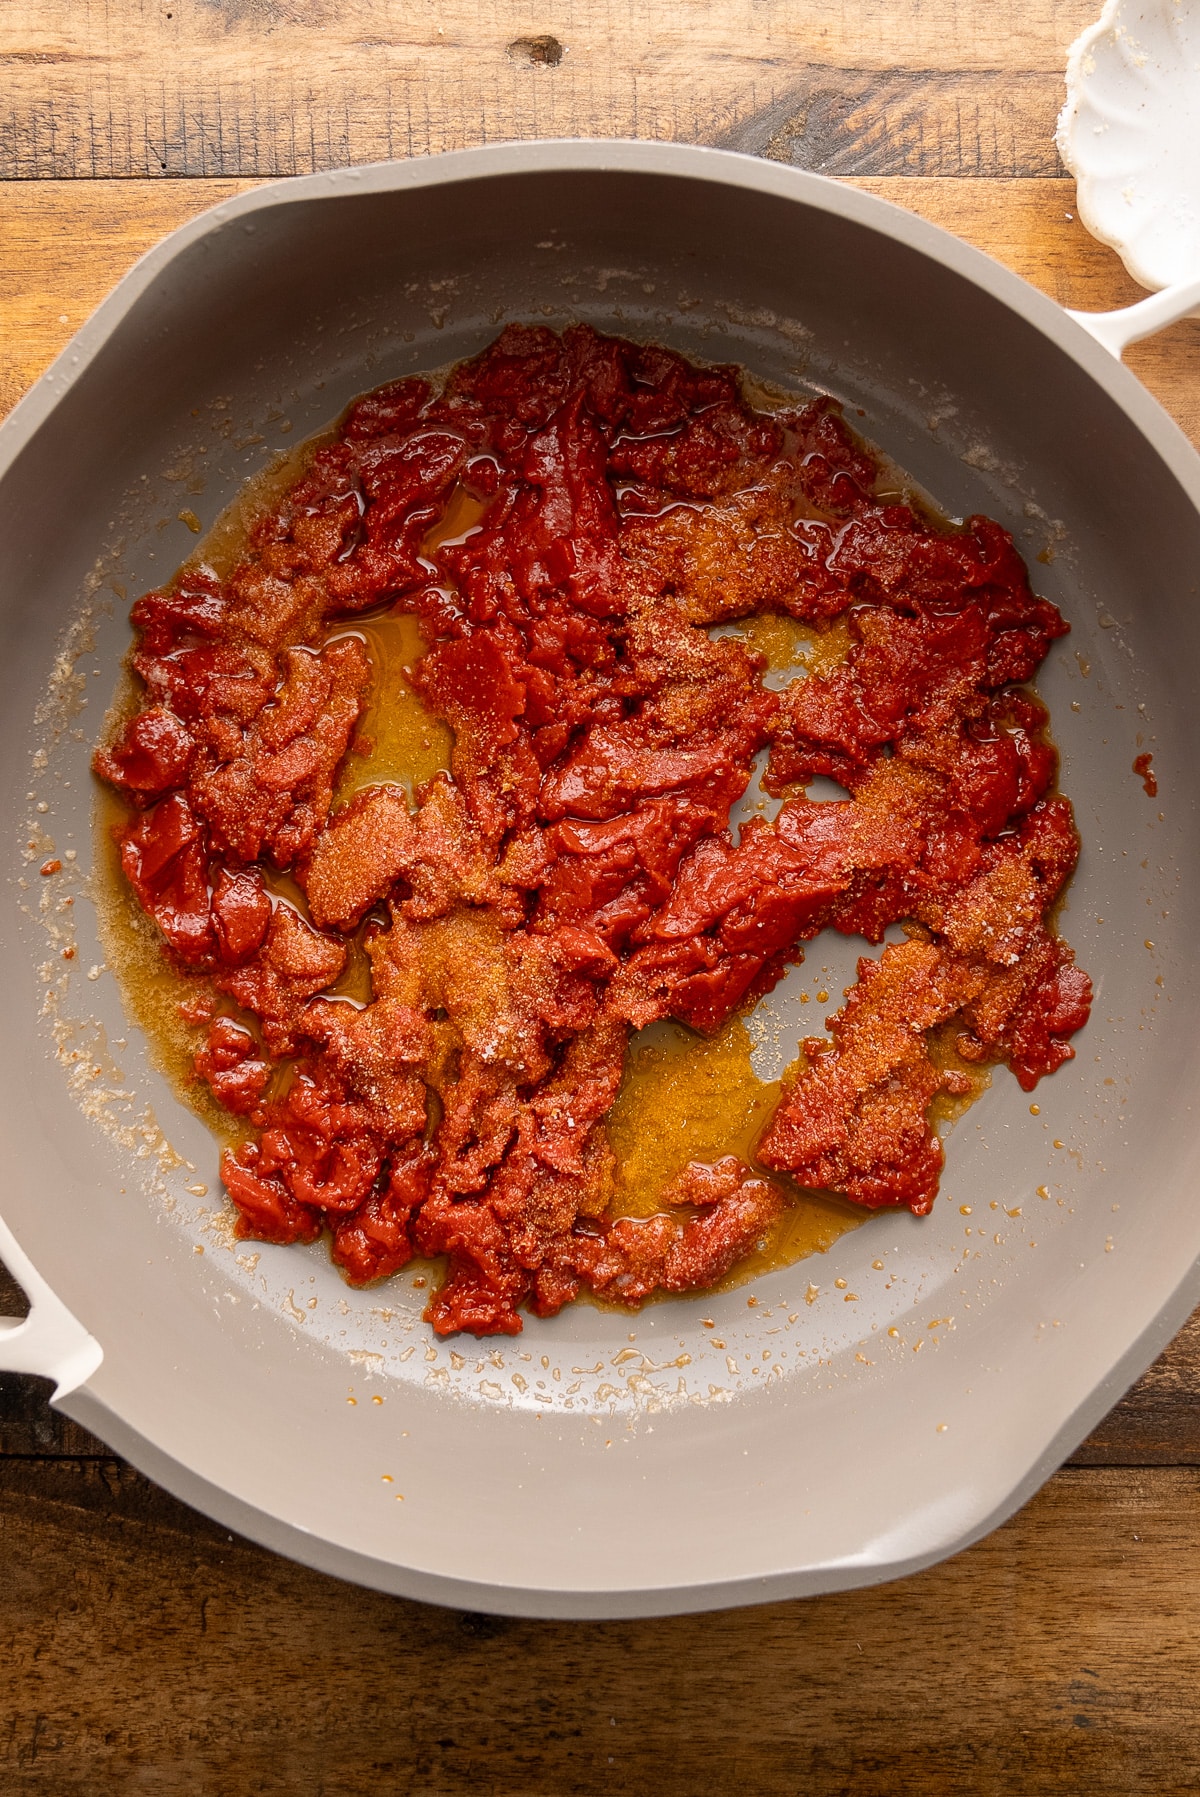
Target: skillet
820,1435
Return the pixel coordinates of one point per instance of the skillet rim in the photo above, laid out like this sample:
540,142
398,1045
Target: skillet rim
731,169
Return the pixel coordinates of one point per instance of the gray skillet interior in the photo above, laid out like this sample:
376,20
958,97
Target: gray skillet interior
605,1465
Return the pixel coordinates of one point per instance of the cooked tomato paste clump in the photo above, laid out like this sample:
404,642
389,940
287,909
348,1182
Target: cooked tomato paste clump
573,876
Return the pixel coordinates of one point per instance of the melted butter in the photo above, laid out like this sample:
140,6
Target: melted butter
686,1098
285,886
764,395
786,644
464,513
225,544
355,982
782,641
828,648
947,1106
683,1098
405,744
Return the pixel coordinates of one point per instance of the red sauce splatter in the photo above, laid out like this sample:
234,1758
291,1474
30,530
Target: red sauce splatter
574,875
1142,767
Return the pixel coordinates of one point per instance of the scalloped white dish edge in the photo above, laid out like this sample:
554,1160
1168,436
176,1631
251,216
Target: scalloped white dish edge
1127,75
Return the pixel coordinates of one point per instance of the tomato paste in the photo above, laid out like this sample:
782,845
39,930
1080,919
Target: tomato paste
572,876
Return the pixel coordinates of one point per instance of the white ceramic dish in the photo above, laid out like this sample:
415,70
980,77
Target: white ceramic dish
604,1465
1130,134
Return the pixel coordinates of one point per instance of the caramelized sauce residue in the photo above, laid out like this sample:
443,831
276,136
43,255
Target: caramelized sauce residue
152,990
683,1098
224,544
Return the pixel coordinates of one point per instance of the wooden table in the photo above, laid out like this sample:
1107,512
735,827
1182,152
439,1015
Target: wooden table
143,1648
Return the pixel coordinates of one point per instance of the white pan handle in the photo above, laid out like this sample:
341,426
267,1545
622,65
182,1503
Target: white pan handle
49,1341
1117,330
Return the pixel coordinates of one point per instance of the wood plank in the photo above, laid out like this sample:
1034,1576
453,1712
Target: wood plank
957,123
145,1651
29,1429
120,88
1157,1423
64,245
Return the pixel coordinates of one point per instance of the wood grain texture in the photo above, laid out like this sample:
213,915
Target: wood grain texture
1158,1422
64,245
119,88
929,122
146,1650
